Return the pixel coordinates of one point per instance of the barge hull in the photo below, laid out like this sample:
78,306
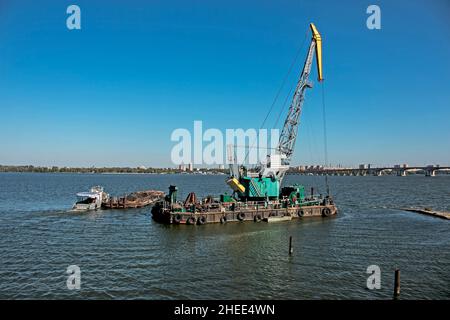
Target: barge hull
255,215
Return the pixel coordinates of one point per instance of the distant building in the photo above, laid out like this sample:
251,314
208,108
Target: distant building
142,168
182,167
221,167
191,167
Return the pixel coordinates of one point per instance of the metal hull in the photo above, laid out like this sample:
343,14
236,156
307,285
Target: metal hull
253,214
91,200
86,207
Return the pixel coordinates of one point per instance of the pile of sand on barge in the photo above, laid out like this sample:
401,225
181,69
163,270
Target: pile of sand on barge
134,200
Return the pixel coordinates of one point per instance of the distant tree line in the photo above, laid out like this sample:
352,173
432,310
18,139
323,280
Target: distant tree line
54,169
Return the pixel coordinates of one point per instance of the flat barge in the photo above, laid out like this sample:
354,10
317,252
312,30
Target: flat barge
226,209
137,199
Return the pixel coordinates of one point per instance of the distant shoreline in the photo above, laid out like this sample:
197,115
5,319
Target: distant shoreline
196,173
106,170
128,170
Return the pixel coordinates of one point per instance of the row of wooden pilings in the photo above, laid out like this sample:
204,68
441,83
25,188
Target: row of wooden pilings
396,274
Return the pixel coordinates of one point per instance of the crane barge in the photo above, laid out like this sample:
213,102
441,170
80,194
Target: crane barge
258,194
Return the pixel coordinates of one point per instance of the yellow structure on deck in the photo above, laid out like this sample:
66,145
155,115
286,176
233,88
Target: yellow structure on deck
235,185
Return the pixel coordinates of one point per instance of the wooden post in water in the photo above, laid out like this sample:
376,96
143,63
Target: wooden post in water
290,246
397,284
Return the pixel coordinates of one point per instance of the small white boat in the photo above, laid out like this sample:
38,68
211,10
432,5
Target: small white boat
90,200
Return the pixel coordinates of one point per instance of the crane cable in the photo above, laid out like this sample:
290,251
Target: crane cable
325,138
283,107
279,91
291,67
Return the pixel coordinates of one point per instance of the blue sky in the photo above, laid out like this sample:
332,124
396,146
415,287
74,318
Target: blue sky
113,92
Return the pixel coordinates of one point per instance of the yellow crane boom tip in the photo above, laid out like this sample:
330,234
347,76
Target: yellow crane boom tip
318,39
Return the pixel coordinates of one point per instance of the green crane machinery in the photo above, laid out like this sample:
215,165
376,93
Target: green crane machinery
265,182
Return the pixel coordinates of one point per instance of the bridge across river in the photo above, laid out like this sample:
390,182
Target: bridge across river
429,171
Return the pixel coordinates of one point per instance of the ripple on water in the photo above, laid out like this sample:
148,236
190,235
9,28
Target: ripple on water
126,255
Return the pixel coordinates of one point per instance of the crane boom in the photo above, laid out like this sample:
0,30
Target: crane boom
289,132
266,182
318,39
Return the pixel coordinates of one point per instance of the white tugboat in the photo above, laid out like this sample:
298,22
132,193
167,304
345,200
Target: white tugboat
90,200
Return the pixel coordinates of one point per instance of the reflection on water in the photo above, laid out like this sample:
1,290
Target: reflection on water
124,254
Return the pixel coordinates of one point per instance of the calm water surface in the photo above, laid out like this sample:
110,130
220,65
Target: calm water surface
124,254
